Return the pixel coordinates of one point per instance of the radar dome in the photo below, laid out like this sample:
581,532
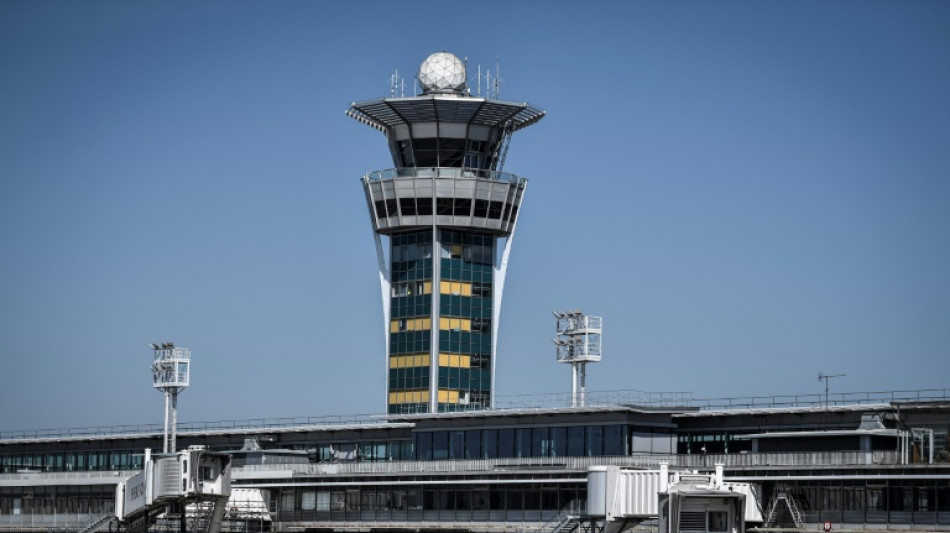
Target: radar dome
442,72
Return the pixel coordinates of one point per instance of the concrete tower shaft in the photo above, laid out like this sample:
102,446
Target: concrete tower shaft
443,220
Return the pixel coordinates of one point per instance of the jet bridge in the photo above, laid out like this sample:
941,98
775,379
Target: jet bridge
679,501
172,481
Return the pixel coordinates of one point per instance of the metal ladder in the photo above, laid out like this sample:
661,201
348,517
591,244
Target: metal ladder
783,495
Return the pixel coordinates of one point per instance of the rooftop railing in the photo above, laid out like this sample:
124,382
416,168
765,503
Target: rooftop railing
820,400
444,172
581,464
256,424
676,401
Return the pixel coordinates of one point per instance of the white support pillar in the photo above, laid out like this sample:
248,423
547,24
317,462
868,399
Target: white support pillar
165,431
582,374
574,385
931,447
172,446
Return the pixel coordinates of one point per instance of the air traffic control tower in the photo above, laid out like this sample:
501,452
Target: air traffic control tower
443,219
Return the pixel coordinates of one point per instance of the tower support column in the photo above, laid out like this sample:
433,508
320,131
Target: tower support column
165,432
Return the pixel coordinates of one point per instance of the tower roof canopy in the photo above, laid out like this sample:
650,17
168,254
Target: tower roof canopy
387,113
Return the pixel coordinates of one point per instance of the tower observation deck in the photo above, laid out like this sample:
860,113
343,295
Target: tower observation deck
443,219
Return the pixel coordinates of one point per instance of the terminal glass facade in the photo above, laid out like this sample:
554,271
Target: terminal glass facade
410,329
477,501
457,300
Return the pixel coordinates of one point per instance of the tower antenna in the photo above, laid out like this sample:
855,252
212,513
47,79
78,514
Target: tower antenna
825,378
479,79
497,76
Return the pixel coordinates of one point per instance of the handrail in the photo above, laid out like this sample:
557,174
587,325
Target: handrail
443,172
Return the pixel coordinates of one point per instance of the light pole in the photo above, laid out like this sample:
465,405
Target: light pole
171,371
578,343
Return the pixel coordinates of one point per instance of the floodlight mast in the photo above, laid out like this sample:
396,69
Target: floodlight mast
171,372
578,343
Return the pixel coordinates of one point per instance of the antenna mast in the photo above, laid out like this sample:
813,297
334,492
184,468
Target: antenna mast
479,79
497,77
825,378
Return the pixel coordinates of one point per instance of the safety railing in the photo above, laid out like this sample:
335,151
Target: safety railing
443,172
256,424
65,478
579,464
683,401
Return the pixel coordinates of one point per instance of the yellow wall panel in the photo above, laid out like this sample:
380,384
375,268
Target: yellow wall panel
455,287
408,361
448,396
412,396
455,360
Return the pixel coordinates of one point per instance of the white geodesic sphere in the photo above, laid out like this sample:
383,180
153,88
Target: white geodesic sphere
442,71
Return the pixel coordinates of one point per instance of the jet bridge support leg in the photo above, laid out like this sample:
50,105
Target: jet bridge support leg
217,515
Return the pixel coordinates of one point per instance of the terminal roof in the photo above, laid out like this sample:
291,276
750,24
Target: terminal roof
493,413
821,433
387,113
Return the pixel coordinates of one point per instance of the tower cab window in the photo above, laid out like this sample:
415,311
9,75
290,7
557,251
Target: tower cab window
405,149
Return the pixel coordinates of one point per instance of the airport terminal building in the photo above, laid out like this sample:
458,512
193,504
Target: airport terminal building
869,461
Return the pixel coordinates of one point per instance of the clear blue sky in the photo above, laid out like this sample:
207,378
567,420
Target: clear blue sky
749,193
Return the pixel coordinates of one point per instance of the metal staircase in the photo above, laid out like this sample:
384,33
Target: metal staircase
96,520
780,496
568,519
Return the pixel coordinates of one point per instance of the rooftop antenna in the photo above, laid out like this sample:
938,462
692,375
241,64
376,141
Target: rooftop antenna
171,371
479,79
394,83
578,343
825,378
497,77
467,88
